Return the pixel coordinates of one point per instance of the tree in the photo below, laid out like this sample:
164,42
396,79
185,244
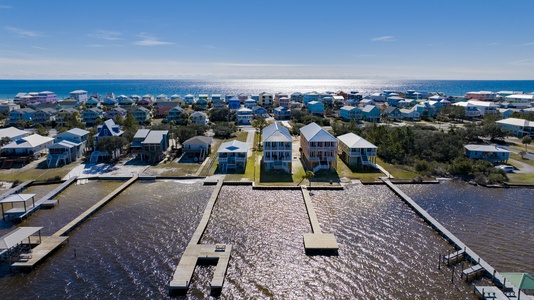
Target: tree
222,115
259,123
526,141
308,175
4,141
224,129
41,130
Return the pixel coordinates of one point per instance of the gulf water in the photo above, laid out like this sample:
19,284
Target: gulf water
62,88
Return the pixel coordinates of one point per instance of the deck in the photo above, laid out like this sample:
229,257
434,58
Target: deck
45,248
490,292
196,253
16,189
316,240
454,257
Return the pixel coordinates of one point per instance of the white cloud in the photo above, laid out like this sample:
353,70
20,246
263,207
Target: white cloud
5,7
528,44
106,35
21,32
148,40
385,38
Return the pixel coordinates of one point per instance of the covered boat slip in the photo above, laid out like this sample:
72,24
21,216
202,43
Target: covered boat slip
10,242
20,204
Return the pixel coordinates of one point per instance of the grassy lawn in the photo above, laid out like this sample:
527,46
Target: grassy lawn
370,175
397,171
249,170
241,136
520,177
40,173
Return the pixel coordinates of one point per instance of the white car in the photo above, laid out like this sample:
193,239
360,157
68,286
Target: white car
506,168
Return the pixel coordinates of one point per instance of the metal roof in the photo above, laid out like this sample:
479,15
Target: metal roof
276,133
155,136
314,133
233,146
485,148
16,236
17,198
355,141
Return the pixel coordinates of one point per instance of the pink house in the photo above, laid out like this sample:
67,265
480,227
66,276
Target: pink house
46,97
482,96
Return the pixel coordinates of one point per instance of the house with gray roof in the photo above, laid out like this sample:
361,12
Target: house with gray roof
491,153
69,146
356,151
150,145
198,147
32,145
318,148
277,148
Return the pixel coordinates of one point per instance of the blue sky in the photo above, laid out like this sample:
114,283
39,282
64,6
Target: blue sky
267,39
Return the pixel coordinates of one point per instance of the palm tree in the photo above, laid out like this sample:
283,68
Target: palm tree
309,175
259,123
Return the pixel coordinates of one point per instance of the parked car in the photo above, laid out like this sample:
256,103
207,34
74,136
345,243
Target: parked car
506,168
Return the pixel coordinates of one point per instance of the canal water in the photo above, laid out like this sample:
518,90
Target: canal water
130,248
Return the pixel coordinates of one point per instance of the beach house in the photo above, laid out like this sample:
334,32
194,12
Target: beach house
20,115
260,111
393,113
232,155
177,115
481,95
80,96
471,111
244,116
265,99
46,97
201,103
44,115
249,103
277,148
198,147
150,145
107,130
410,114
189,99
68,146
318,148
283,102
309,97
162,108
217,101
199,117
65,114
282,113
490,153
371,113
234,103
89,116
13,133
348,113
93,102
356,151
32,145
316,108
518,127
116,112
142,115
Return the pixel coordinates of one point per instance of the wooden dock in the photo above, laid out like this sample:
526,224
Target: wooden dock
317,240
46,200
196,253
454,257
77,221
16,189
485,267
490,293
472,271
48,245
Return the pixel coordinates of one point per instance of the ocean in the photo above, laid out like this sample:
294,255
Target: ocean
62,88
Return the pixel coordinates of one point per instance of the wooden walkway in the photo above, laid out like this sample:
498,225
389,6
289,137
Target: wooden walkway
316,240
197,253
16,189
47,246
498,279
77,221
490,292
47,197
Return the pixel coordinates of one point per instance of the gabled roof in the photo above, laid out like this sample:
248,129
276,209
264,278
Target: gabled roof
233,146
78,131
516,122
12,132
355,141
276,133
155,136
314,133
141,133
368,108
198,140
31,141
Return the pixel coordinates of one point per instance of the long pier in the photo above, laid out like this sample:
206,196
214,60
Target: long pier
498,279
196,253
47,197
78,220
16,189
317,240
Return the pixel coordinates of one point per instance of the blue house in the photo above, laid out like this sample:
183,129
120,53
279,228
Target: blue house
309,97
282,113
371,113
350,112
316,108
394,100
260,111
234,103
249,103
492,154
201,104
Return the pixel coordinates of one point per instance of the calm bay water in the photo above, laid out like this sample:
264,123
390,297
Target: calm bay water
62,88
130,248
